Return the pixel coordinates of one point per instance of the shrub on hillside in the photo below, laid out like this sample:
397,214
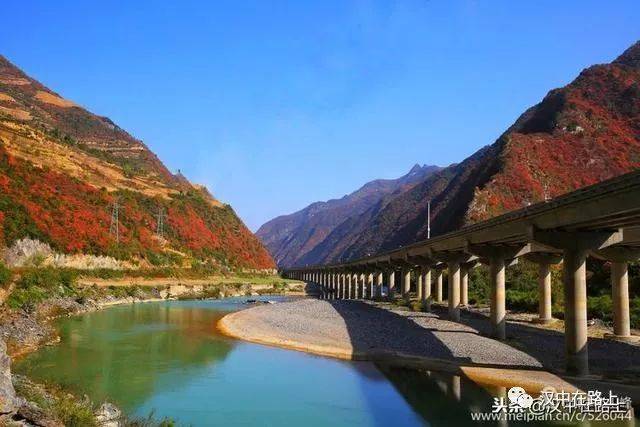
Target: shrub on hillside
36,285
5,275
635,312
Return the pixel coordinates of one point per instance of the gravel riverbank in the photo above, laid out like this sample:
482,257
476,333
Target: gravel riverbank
360,330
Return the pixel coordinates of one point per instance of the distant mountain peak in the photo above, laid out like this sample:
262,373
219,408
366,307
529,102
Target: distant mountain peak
415,169
580,134
291,238
630,57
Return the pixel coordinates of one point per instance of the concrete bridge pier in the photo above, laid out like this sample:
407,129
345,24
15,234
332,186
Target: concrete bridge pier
498,304
464,284
575,247
575,312
498,257
406,282
544,293
544,261
392,284
620,258
426,283
379,283
371,286
454,290
419,287
334,285
363,283
438,290
620,290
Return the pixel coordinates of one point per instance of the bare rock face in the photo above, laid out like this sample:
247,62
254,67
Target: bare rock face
108,415
32,415
9,402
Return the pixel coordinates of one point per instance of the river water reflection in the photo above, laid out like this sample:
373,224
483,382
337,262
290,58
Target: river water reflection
167,357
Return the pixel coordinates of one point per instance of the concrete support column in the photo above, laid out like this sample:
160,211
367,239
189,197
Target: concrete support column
379,283
349,286
426,283
498,305
343,286
392,284
419,286
454,291
406,282
575,311
355,284
464,285
544,293
371,286
439,286
620,289
455,388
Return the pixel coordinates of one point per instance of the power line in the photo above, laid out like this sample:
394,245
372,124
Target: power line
114,229
160,226
429,219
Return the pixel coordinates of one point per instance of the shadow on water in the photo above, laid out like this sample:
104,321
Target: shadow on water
123,353
440,399
433,395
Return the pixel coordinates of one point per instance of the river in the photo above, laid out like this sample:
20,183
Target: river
168,358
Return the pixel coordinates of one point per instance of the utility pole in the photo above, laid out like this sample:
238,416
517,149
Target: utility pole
160,226
114,229
429,219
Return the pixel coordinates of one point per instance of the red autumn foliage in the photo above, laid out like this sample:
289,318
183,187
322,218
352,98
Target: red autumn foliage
76,217
1,228
591,135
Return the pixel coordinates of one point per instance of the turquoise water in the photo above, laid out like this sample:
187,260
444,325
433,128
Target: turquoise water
167,357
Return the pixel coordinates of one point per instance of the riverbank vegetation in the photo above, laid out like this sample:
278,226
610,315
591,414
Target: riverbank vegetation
34,285
49,403
33,296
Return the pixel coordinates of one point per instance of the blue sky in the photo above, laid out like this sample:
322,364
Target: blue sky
276,104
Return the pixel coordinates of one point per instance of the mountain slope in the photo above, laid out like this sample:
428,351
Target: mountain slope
293,239
63,169
583,133
578,135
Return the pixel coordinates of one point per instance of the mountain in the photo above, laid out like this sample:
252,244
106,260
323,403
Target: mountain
63,171
294,239
578,135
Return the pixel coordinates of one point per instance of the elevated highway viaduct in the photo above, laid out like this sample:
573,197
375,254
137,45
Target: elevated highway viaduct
601,221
